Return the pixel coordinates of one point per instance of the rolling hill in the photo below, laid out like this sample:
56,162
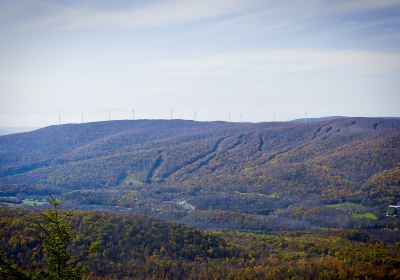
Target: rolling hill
261,176
139,247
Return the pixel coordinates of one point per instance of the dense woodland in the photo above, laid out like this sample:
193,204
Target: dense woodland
147,248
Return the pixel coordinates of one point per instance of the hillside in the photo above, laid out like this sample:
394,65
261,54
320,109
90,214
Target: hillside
139,247
214,174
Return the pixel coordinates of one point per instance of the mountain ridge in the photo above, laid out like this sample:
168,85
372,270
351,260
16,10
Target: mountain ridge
151,166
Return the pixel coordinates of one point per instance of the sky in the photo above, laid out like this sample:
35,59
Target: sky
259,59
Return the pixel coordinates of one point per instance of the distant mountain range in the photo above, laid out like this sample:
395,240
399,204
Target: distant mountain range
187,170
16,129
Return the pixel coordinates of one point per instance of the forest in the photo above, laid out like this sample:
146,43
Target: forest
211,200
139,247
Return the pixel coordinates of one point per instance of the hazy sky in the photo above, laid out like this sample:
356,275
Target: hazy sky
213,57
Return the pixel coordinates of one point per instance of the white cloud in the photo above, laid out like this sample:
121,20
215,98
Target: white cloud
351,6
285,62
166,12
151,14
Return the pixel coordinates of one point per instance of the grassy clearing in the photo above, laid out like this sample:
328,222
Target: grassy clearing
367,216
31,202
15,202
357,211
131,181
347,206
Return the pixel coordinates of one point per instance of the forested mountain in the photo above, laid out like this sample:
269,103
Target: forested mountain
331,172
